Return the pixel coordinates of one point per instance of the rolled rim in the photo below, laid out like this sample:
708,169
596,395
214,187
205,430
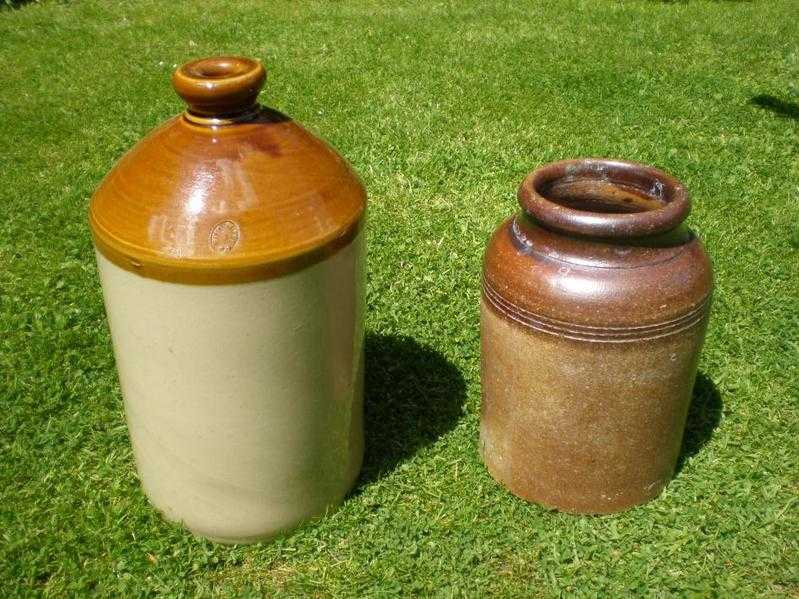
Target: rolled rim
219,85
617,198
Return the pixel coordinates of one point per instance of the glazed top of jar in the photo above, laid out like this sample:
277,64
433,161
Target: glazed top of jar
599,251
228,191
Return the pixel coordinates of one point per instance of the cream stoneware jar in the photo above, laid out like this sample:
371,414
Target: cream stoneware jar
230,249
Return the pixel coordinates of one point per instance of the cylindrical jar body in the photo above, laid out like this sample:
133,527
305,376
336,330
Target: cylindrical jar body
243,401
590,344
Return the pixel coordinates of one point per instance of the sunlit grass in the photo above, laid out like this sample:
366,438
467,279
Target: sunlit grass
442,108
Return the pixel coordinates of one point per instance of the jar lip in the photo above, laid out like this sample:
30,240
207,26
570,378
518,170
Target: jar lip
647,200
219,86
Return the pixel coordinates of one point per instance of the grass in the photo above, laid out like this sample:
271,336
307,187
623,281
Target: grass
442,108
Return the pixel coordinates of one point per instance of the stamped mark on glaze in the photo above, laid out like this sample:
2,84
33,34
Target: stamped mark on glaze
176,238
224,237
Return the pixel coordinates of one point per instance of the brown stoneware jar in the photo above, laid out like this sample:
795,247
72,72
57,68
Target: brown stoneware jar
594,308
230,249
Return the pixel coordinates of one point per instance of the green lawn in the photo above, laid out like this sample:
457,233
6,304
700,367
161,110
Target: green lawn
442,108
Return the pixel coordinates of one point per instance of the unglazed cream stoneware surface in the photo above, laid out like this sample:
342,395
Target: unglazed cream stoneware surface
244,401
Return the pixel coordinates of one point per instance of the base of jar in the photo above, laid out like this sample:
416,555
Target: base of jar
635,496
268,534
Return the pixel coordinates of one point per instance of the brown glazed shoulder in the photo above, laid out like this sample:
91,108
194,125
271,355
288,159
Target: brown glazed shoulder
200,203
595,289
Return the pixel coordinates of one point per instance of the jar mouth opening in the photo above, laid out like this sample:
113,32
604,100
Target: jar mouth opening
223,67
604,198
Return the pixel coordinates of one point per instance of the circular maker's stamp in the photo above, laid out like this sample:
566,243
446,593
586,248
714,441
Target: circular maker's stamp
224,237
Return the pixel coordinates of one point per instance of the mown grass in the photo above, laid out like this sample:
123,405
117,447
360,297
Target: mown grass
442,108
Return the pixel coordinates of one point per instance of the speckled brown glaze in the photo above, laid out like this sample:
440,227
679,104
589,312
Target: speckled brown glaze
227,192
594,308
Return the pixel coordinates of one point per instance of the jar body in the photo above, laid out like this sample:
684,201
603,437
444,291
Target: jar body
589,352
583,426
244,400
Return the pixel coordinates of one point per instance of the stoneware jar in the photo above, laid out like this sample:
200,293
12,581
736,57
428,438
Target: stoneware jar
594,308
230,249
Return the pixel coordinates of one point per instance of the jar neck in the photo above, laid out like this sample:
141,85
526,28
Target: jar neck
221,90
242,116
529,235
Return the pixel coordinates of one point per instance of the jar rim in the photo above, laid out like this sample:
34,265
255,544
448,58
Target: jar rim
219,86
601,197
